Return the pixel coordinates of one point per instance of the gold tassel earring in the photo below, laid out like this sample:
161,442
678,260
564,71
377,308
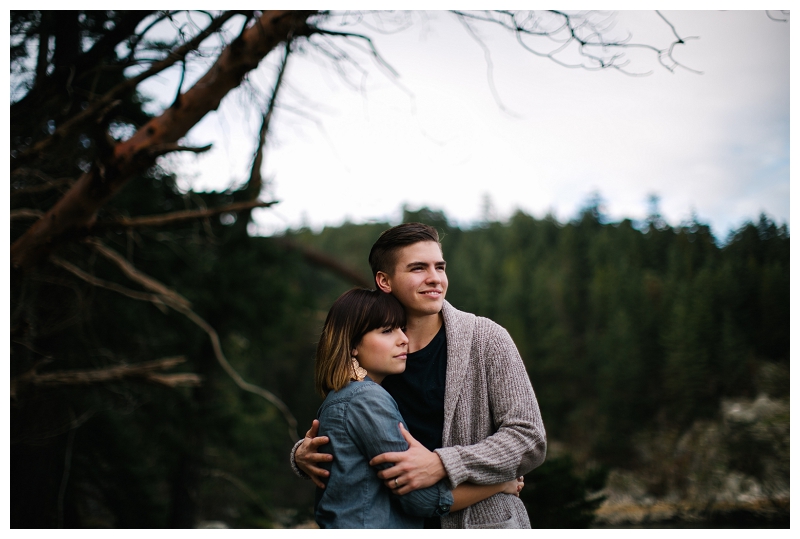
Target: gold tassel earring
358,371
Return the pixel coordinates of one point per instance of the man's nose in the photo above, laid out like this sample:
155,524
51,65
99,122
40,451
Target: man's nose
433,276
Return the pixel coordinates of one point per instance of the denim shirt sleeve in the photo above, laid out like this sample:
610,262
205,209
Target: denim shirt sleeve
372,421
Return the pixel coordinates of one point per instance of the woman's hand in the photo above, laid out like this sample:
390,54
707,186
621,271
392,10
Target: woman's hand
514,486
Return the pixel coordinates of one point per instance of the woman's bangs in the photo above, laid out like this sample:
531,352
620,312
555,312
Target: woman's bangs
385,312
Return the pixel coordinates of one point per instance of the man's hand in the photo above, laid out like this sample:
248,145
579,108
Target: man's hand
307,455
414,468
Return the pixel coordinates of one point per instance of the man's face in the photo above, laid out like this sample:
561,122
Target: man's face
419,280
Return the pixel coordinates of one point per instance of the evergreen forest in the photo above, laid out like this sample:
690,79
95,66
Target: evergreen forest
161,356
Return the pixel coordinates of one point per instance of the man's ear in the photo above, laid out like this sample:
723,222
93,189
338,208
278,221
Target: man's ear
382,281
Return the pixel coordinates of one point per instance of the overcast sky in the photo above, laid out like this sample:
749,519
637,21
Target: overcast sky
716,143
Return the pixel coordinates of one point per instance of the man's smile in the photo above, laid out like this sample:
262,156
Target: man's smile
432,293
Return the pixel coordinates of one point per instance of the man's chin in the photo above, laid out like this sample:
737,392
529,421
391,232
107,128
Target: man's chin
431,308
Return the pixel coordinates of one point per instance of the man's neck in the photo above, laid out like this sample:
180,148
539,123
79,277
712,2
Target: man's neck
421,330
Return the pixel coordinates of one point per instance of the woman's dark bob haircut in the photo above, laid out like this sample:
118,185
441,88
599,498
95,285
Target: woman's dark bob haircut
356,312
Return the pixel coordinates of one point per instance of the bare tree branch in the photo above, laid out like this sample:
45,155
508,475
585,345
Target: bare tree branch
137,38
318,258
177,302
47,186
784,12
77,208
48,85
94,109
169,296
142,371
101,283
179,216
246,386
255,181
25,213
162,149
585,30
372,49
489,65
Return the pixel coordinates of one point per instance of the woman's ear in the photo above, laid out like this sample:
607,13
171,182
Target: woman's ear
382,282
354,352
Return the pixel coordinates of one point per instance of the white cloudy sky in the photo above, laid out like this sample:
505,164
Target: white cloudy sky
716,143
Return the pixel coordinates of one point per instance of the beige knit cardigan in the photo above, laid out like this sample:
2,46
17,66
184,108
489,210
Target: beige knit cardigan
493,429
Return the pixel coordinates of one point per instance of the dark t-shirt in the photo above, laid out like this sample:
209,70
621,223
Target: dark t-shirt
419,391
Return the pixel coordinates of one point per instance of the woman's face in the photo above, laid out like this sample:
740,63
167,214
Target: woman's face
382,352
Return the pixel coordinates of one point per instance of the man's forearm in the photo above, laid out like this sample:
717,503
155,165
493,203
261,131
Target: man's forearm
415,468
494,460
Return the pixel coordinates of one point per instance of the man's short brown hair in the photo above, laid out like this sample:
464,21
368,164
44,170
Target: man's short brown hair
383,255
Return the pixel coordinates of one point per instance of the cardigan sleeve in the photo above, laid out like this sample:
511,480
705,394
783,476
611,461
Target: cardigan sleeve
518,443
295,468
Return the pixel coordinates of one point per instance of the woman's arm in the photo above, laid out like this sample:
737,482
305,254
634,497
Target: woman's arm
467,494
372,421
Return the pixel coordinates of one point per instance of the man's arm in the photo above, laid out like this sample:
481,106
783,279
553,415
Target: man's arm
518,445
305,456
415,468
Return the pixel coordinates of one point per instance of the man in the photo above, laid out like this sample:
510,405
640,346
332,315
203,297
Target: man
465,394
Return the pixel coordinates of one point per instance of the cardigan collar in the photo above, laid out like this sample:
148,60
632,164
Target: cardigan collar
459,328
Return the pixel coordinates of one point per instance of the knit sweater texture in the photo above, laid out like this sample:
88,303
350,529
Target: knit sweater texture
493,429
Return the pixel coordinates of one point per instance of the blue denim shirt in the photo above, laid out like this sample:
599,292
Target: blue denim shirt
361,421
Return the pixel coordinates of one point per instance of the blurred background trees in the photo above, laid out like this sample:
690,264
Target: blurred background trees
160,355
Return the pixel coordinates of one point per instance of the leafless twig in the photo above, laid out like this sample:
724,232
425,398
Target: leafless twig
255,182
489,65
49,183
784,12
142,370
586,31
25,213
161,149
179,216
94,109
169,296
180,304
155,299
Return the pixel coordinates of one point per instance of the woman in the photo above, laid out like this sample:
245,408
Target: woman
362,342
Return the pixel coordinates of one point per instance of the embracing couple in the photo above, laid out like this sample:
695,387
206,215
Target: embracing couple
429,418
